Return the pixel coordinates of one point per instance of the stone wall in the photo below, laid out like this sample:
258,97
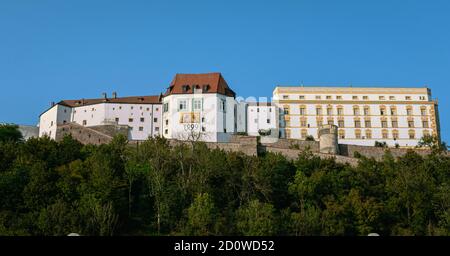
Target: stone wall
245,144
293,144
292,154
90,135
376,152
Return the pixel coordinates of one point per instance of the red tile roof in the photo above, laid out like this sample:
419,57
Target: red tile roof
207,83
125,100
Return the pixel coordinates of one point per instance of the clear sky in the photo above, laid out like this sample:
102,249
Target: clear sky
65,49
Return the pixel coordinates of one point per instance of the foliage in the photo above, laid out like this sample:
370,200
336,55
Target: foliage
10,132
153,188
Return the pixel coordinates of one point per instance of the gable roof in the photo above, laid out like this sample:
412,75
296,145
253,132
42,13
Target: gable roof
153,99
207,83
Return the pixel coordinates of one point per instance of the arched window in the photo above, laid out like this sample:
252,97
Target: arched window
304,133
341,133
358,134
412,134
368,134
395,134
356,110
385,134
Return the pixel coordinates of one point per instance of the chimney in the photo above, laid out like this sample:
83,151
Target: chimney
114,95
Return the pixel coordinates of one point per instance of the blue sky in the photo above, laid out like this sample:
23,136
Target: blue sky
53,50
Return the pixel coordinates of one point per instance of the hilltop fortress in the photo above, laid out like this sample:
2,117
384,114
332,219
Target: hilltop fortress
203,107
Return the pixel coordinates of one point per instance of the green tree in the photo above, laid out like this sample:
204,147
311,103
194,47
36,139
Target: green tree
201,216
10,132
256,219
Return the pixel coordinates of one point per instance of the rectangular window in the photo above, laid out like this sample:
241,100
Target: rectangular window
409,112
407,97
365,97
384,134
166,131
197,104
394,124
341,123
286,111
141,128
425,124
411,124
381,98
268,121
328,97
423,112
330,122
329,111
117,119
130,120
368,124
393,112
354,97
302,111
182,105
303,123
156,129
223,106
368,135
166,107
340,111
412,136
142,119
155,120
358,124
318,111
319,123
392,97
167,121
318,97
339,97
285,97
356,111
384,124
358,134
366,111
301,97
84,122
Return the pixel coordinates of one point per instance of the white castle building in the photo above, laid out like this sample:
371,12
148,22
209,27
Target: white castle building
203,107
364,115
142,114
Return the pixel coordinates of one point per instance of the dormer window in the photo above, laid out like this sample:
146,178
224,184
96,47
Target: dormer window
185,88
205,88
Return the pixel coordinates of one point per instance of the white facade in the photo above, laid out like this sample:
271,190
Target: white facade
48,121
364,115
144,120
261,116
210,117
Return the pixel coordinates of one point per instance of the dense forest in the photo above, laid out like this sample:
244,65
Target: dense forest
56,188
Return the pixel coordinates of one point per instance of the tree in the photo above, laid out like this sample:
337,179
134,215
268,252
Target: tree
10,132
256,219
201,216
431,142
